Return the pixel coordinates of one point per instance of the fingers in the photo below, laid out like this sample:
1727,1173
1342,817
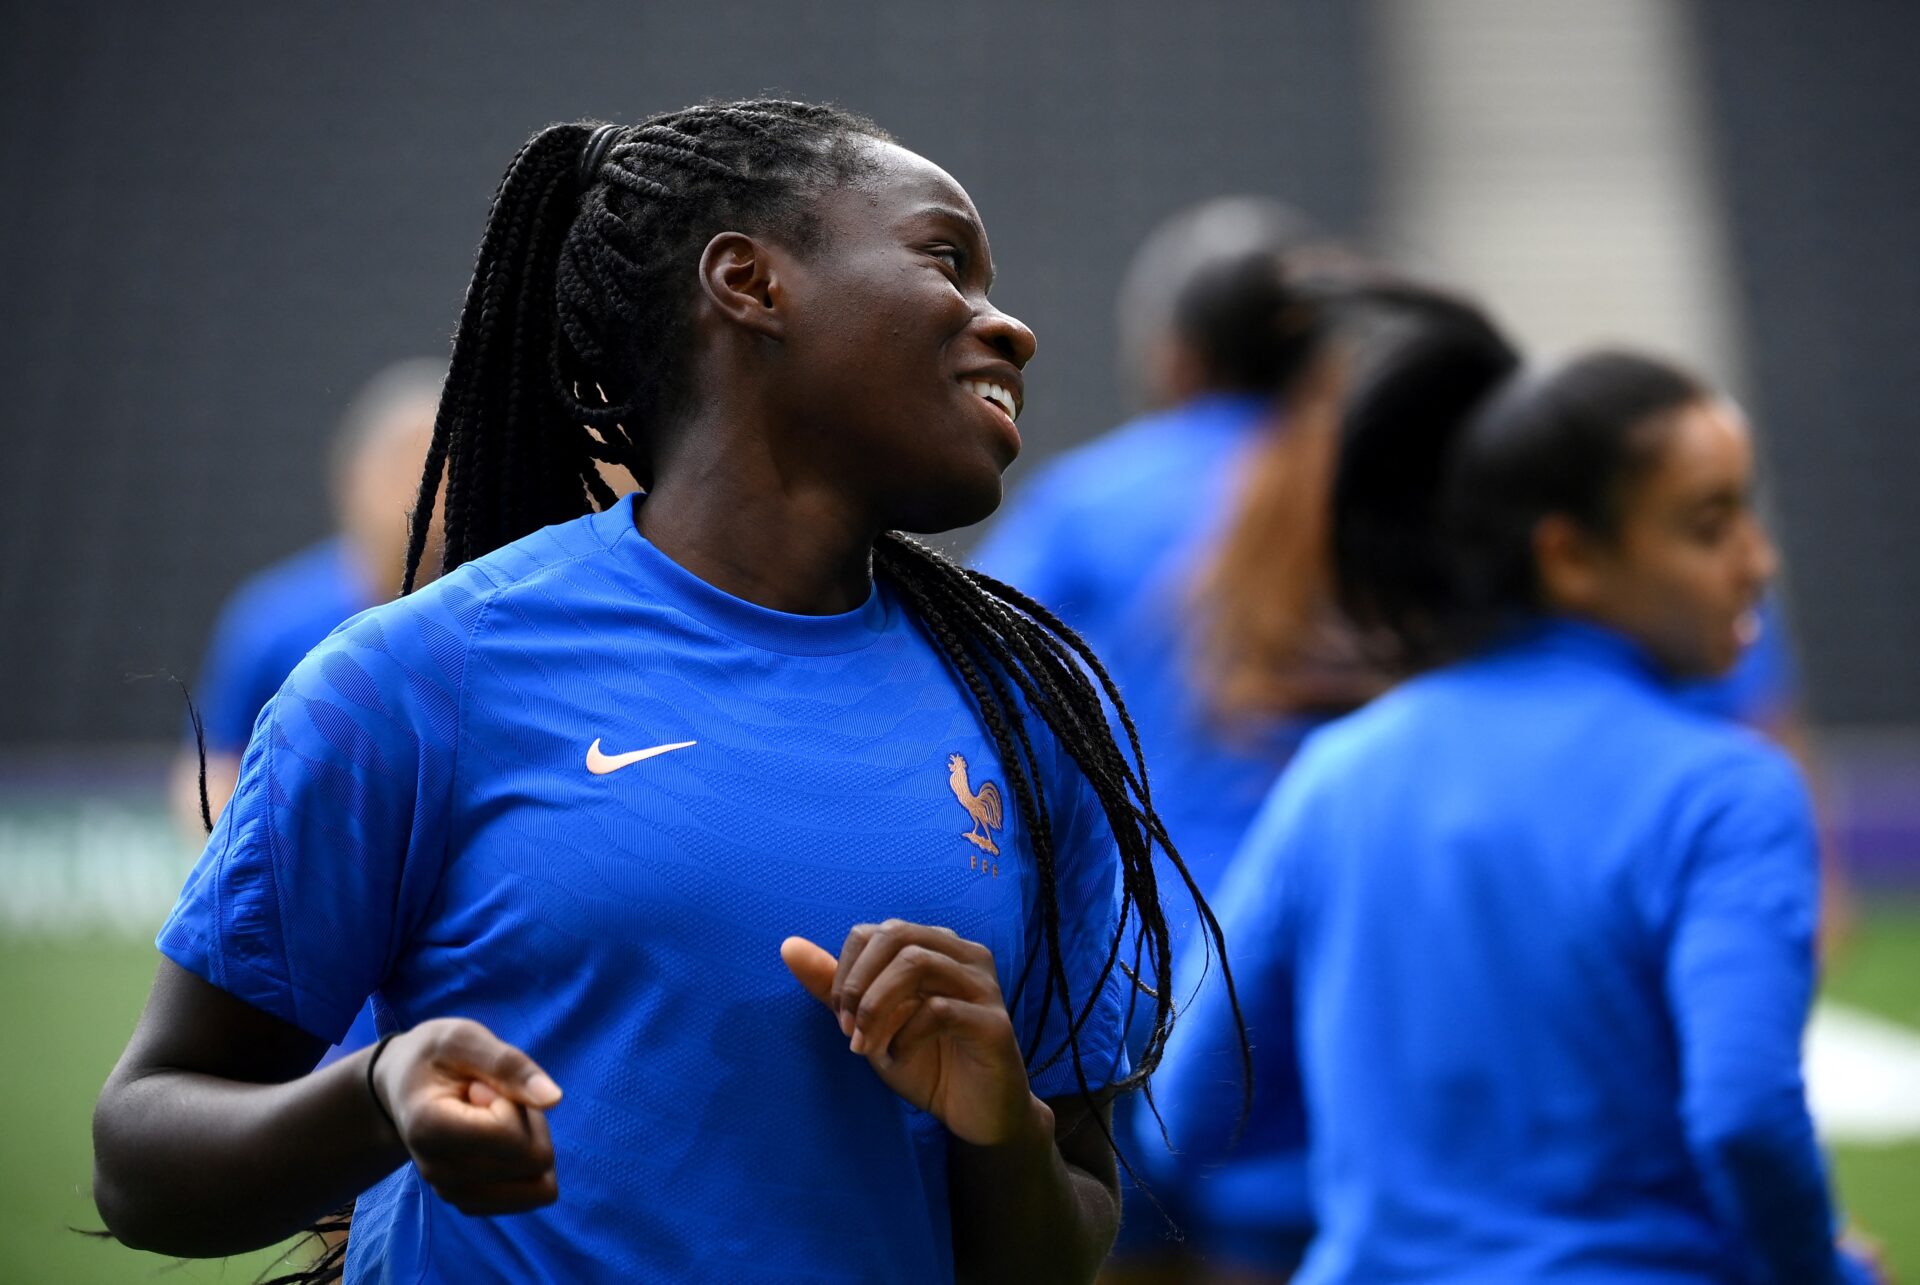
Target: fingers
913,975
471,1047
470,1113
457,1143
982,1025
491,1159
850,951
871,949
813,967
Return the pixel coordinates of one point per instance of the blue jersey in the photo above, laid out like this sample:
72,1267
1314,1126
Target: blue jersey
270,623
448,808
1544,938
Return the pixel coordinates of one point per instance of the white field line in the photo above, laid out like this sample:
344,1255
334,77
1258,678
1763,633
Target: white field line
1863,1077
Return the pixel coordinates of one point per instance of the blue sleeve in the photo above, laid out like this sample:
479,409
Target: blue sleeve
1739,980
1087,862
1198,1086
322,866
364,1031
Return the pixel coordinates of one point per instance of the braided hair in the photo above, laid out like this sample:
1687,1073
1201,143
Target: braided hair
573,345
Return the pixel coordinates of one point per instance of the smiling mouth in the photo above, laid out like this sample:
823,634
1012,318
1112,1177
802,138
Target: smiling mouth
998,396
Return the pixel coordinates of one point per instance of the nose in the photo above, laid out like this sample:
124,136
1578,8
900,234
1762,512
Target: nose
1007,335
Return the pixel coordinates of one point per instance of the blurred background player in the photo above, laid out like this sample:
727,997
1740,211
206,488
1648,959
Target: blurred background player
1189,547
1132,538
274,619
1543,933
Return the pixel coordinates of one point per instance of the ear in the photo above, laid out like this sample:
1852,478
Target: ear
1567,561
741,279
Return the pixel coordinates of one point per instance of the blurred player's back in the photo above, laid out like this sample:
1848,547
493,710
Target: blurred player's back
1483,963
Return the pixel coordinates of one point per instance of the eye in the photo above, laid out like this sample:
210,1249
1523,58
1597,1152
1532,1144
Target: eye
952,256
1712,529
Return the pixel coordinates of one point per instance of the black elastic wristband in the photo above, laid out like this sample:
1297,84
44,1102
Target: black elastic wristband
378,1105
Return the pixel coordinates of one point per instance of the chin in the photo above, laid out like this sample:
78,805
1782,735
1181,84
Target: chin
1704,666
958,504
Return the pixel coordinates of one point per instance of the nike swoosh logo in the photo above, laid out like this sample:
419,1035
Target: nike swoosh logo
600,764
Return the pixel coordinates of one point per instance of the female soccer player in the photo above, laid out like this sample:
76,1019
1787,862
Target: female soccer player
563,813
1543,935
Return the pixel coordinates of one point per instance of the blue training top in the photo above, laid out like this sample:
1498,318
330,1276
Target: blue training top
1550,938
417,821
269,624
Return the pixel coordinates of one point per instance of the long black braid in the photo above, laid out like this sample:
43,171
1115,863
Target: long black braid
571,347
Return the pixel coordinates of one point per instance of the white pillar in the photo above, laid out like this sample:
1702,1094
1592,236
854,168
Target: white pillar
1551,157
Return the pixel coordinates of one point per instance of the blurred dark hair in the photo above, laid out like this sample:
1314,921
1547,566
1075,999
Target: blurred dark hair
1271,641
1251,327
1212,276
1453,451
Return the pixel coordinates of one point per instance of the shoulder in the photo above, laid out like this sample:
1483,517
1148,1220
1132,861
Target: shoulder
546,561
1135,464
319,565
1397,717
1097,518
1728,770
305,594
422,641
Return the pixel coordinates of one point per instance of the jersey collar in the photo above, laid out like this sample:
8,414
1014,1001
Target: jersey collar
1592,644
666,581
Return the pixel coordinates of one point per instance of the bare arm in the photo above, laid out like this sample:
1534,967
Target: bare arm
1045,1208
213,1135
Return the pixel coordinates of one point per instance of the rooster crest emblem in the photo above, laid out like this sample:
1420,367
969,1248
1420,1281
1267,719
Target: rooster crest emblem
984,807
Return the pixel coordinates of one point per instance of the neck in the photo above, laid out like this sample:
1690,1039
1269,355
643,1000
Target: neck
776,541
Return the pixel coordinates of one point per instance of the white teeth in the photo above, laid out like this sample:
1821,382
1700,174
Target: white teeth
999,396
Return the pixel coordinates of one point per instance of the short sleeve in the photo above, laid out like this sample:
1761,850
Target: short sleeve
324,862
1087,863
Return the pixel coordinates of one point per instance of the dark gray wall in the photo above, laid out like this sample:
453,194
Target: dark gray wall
1819,142
220,218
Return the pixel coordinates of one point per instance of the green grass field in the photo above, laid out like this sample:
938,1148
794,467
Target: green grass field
67,1006
1879,971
